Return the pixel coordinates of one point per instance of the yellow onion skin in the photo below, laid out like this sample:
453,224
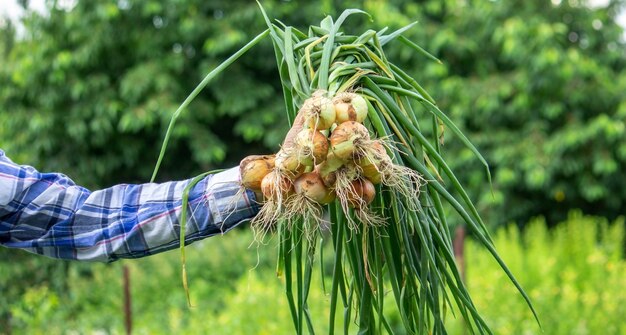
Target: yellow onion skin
364,193
350,107
329,198
289,163
311,147
374,163
375,152
253,168
319,112
312,186
372,173
275,186
345,137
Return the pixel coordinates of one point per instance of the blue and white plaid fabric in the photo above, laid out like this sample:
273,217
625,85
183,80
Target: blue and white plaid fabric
46,213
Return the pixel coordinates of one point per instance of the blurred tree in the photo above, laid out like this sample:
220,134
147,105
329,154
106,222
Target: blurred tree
89,91
539,87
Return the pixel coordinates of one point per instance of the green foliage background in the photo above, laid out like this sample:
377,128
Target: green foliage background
538,87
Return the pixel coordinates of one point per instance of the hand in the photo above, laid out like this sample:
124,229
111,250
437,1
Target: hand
298,124
288,143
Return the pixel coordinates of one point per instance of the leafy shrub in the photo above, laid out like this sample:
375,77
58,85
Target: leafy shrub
574,275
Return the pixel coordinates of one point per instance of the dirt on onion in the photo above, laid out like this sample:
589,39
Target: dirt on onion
350,107
319,111
311,147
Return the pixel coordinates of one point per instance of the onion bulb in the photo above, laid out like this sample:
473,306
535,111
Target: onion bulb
311,186
346,138
276,186
362,194
319,112
373,163
350,107
372,173
289,163
253,168
311,147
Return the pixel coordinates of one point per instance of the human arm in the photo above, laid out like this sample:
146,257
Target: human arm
48,214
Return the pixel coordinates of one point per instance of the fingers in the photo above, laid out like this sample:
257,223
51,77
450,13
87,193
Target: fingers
298,124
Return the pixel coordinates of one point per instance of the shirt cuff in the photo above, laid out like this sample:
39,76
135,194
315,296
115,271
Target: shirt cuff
229,202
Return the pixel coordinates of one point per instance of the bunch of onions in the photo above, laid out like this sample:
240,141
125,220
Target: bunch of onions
291,188
316,169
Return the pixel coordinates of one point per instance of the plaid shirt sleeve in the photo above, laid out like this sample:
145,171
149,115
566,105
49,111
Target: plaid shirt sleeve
47,214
